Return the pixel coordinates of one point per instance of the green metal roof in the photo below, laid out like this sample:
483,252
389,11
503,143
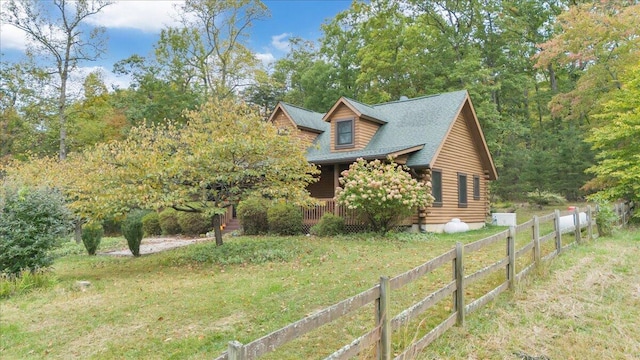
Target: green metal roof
306,118
413,122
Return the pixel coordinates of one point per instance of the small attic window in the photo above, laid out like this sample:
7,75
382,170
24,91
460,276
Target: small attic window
344,133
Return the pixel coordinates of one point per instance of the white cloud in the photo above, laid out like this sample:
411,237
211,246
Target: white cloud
12,38
266,58
147,16
281,42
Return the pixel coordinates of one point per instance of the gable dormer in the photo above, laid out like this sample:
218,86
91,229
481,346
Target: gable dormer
297,122
352,124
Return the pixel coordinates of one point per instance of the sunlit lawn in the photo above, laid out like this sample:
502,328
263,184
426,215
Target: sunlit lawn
190,302
584,305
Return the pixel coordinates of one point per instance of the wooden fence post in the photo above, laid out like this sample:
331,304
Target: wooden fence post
558,234
590,222
511,253
459,273
236,351
536,240
384,320
576,223
617,211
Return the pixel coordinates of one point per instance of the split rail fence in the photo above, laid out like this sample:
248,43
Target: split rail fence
561,238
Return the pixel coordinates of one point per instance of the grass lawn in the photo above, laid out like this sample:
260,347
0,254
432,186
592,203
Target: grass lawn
184,303
189,302
584,305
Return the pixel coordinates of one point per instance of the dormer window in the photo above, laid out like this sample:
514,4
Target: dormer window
344,133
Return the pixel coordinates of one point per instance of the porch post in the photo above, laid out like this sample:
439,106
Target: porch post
336,183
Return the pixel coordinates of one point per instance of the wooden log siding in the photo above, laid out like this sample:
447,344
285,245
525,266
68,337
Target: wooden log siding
282,121
383,292
363,130
459,154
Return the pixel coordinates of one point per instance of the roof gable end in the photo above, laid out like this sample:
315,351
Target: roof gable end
361,110
302,118
466,108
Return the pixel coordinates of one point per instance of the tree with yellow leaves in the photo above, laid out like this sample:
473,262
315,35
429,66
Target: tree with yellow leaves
223,153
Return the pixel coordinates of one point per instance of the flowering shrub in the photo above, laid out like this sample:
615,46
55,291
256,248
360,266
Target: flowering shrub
383,192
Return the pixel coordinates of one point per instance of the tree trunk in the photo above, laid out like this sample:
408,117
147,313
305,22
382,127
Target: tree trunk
77,231
217,230
552,79
63,122
62,105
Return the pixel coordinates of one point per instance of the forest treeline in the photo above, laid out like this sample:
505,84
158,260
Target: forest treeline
555,84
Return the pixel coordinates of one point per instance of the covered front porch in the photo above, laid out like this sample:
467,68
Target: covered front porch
324,190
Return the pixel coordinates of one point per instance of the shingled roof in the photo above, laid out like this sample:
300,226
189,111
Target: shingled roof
363,110
415,126
304,118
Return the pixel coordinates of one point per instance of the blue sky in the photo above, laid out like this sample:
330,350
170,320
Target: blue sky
133,27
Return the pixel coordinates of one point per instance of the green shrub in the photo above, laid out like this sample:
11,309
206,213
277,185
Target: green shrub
111,227
151,224
31,223
91,235
284,219
383,193
132,230
329,225
252,214
606,218
541,198
193,223
169,222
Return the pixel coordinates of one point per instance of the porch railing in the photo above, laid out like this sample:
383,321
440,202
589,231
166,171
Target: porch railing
312,215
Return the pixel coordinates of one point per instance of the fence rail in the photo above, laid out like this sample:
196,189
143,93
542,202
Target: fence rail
380,335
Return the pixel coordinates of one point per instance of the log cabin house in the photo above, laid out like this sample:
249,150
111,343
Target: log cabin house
438,137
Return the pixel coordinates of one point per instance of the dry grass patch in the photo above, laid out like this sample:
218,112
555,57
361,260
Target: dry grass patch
584,306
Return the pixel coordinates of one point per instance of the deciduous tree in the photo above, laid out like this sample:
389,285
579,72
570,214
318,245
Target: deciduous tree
617,172
225,152
597,40
210,47
61,38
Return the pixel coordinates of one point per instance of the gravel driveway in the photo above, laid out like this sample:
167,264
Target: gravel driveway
154,245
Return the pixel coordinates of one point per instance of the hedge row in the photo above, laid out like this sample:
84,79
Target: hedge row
261,216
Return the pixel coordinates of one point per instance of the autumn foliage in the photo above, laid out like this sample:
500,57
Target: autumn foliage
224,152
